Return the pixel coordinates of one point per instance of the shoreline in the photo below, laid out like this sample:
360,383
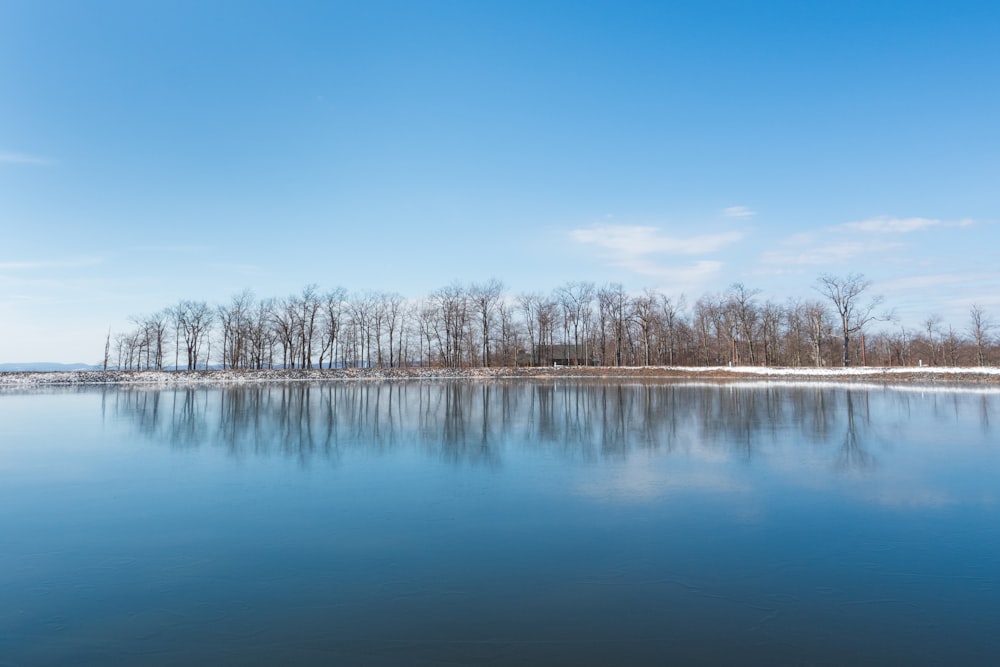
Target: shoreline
927,375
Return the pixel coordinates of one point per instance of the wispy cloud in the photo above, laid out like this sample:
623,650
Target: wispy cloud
954,292
830,245
884,224
826,253
923,282
186,249
77,263
23,158
738,212
639,240
238,268
687,274
641,250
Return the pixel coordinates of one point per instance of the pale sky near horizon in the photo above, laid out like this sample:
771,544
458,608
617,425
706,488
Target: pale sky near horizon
152,152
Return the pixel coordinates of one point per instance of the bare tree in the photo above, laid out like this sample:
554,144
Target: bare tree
140,344
530,304
156,331
614,304
818,327
646,315
846,294
744,308
332,319
980,325
192,321
932,326
379,320
107,350
547,321
362,310
392,306
427,328
771,317
703,315
670,313
309,306
509,333
262,334
576,299
125,346
485,298
234,319
952,345
284,317
452,303
461,326
716,320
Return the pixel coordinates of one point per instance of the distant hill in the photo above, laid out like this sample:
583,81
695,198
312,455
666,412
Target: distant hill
45,366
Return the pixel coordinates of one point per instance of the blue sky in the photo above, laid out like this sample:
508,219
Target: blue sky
151,152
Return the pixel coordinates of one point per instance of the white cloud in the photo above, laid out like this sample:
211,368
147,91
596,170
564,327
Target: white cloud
884,224
827,253
869,237
738,212
238,268
638,240
938,280
22,158
693,273
50,264
800,238
176,248
639,249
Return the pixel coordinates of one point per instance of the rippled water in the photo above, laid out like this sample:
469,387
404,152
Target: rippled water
504,524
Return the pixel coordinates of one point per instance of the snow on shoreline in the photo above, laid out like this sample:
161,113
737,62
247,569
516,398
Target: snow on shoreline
866,371
894,375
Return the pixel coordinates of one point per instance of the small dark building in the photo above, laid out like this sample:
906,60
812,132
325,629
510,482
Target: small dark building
559,355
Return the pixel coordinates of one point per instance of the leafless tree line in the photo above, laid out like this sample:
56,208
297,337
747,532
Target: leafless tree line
579,323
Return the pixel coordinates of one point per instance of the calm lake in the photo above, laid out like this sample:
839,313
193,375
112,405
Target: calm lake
520,523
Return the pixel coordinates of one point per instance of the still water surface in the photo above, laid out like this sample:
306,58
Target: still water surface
505,524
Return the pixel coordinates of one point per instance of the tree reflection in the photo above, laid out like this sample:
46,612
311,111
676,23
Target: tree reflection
853,454
474,423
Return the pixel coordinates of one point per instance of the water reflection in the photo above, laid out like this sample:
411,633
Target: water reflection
853,454
473,423
499,523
